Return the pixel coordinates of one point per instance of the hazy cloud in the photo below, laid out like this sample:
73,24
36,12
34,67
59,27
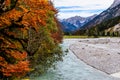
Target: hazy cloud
69,8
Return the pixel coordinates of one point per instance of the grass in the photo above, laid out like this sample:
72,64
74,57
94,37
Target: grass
83,37
72,36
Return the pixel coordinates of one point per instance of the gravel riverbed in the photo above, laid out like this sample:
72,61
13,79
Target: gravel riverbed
100,53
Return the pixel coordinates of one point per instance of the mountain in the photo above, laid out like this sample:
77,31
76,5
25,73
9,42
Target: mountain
116,28
115,3
112,12
110,27
74,23
114,31
67,27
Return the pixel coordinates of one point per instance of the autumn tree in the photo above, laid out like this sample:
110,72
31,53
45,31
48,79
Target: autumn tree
29,37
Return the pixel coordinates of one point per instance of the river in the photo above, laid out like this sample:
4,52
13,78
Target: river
72,68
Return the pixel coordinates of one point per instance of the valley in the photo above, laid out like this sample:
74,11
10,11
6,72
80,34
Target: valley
104,24
73,67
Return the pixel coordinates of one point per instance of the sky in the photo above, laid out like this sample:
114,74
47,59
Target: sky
84,8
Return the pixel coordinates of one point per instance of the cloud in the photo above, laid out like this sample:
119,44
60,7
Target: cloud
80,8
67,14
69,8
82,2
74,11
64,16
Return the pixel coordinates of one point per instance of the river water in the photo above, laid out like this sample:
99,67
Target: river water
71,68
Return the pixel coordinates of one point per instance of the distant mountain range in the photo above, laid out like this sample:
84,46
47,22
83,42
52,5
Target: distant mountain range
74,23
78,23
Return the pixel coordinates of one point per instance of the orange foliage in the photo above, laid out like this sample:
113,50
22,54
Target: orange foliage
17,54
7,2
18,70
24,15
32,12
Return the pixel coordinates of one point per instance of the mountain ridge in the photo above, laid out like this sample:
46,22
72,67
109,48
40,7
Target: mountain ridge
115,3
74,23
111,12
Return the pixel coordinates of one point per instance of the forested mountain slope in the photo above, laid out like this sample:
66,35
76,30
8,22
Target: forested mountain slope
112,12
110,27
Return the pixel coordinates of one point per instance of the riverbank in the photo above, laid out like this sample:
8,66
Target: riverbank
100,53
